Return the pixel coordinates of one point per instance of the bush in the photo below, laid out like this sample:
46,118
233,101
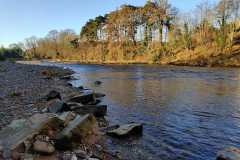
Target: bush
2,58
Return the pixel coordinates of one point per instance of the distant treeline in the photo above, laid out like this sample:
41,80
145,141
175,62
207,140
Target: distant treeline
14,51
156,32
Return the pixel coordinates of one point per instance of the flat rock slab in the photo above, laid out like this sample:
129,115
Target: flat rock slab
76,131
126,130
20,131
231,153
83,98
96,110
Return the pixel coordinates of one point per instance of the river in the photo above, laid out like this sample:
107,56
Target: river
188,113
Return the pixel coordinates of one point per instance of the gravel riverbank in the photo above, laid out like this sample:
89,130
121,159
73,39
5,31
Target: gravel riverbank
22,88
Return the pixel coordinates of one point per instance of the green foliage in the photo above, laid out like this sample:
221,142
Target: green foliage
15,94
14,52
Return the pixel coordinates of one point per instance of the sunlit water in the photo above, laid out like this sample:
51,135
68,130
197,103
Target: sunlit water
188,113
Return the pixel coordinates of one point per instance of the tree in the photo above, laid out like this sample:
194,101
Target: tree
205,20
53,38
31,46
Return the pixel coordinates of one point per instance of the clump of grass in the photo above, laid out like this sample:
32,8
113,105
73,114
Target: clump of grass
2,58
53,73
15,94
2,69
49,73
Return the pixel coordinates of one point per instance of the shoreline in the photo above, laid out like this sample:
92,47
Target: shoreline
23,87
38,62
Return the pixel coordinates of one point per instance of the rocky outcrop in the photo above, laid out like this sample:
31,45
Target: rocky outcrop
126,130
231,153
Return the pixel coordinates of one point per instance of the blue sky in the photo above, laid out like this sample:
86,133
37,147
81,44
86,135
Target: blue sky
20,19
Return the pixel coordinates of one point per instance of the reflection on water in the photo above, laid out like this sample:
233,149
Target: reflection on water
188,113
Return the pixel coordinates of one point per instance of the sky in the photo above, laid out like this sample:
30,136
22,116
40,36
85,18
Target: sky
20,19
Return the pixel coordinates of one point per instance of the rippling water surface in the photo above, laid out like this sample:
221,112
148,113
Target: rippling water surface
188,113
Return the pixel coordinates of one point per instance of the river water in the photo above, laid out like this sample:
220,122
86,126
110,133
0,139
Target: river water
188,113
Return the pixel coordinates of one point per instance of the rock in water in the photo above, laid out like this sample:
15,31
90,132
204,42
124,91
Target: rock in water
53,95
68,77
55,106
15,134
77,131
97,82
99,95
43,147
231,153
83,98
96,110
126,130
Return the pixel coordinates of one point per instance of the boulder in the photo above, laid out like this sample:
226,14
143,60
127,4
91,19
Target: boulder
231,153
96,110
126,130
56,106
53,95
77,131
70,84
81,87
97,101
83,98
19,131
43,147
97,82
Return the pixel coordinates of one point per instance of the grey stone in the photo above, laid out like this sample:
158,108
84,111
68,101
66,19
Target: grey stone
68,77
56,106
97,82
53,95
231,153
43,147
81,154
99,95
83,98
126,130
96,110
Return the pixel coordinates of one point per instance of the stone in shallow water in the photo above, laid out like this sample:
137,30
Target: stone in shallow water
19,131
96,110
83,98
231,153
126,130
